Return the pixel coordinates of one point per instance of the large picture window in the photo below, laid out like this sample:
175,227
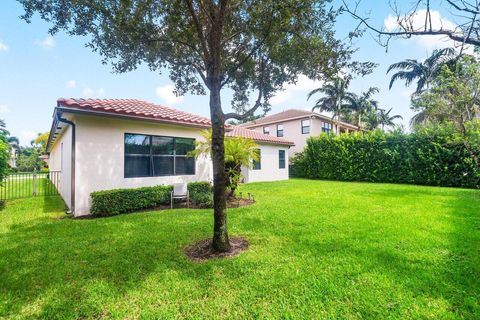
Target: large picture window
153,156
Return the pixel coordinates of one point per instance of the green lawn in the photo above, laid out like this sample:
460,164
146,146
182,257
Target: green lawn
319,249
22,185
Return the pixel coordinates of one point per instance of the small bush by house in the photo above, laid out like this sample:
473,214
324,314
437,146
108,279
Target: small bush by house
201,193
428,157
117,201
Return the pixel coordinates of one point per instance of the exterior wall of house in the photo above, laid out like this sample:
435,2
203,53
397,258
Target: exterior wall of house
270,170
60,160
100,156
292,131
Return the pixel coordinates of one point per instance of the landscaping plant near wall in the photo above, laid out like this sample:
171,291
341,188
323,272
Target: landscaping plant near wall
113,202
429,157
201,193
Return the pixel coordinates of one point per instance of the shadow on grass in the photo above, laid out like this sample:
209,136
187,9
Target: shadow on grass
65,268
58,263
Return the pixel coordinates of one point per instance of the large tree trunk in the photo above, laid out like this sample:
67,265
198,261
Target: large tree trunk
221,242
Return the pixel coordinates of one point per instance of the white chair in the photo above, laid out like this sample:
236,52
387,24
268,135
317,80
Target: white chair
180,191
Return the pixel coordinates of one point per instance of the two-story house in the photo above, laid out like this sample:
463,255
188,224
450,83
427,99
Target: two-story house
297,125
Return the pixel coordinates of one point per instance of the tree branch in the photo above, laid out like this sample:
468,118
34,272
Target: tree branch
250,54
408,31
258,103
250,112
465,9
199,29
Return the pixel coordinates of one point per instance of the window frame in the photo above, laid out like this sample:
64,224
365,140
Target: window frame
327,128
280,130
280,159
152,156
303,126
266,131
257,165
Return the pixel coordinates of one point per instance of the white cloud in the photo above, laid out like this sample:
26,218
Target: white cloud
47,43
417,22
166,94
91,93
27,135
303,86
4,109
3,46
70,84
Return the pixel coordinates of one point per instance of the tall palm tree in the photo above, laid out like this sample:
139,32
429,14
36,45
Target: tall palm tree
361,104
387,120
423,72
335,96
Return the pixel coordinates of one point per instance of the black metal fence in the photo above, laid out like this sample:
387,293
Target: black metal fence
29,184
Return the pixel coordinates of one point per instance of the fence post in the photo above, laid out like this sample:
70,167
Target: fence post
34,182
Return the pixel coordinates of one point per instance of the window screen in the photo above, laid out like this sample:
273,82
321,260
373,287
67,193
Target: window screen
281,159
257,164
152,156
279,130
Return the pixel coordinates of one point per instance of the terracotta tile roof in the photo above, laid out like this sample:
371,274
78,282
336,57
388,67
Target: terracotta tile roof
257,136
135,109
139,109
289,114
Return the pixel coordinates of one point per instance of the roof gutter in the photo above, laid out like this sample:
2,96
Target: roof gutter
72,157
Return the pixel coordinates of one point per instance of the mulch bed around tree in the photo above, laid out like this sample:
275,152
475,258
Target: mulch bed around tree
202,250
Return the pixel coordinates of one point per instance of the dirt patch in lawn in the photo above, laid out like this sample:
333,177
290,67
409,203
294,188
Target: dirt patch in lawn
202,250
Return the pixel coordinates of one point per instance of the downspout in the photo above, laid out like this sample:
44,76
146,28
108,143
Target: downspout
72,179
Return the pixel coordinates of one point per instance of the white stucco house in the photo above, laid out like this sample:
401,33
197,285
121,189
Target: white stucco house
297,126
103,144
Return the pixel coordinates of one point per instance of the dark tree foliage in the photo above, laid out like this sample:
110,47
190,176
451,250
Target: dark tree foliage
429,156
251,47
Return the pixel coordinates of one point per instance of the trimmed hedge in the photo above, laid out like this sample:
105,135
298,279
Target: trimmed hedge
436,157
201,193
117,201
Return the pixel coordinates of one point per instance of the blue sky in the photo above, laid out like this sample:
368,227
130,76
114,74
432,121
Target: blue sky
37,69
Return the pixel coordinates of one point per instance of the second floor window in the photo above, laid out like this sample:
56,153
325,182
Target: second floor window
306,126
266,130
279,130
327,127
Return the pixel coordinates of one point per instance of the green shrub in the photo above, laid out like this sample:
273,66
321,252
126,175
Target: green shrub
117,201
201,193
428,157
